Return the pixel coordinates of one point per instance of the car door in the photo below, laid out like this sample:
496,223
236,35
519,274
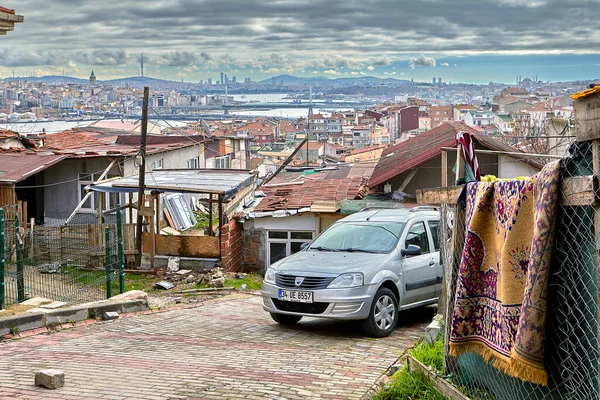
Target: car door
434,228
419,274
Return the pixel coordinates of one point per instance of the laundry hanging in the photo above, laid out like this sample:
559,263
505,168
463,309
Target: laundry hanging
468,147
500,306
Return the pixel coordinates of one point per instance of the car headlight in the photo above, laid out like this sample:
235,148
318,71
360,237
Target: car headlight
347,280
270,275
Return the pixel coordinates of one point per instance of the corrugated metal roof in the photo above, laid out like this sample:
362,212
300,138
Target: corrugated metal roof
416,151
216,181
15,167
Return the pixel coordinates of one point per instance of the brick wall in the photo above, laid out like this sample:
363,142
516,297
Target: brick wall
232,244
254,250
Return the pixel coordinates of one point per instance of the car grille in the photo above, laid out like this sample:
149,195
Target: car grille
305,308
309,282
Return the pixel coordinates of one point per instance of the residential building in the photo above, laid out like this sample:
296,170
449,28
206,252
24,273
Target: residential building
479,118
424,120
317,125
417,163
439,115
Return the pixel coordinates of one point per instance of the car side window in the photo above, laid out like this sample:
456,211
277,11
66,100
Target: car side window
434,227
418,236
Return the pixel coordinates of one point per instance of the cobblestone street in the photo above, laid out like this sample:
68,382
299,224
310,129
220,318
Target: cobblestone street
226,349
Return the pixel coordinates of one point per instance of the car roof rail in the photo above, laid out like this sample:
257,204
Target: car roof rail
424,208
373,208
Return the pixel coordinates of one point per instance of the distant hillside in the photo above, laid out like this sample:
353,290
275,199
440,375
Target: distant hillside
50,79
346,81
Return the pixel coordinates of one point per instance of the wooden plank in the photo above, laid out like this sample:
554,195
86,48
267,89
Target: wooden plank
577,191
444,168
168,217
146,211
443,386
443,195
460,168
183,246
587,117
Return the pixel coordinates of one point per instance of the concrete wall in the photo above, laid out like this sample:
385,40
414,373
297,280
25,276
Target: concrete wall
61,199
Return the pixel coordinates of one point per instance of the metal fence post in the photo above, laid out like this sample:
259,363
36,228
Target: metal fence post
2,264
19,248
120,250
107,262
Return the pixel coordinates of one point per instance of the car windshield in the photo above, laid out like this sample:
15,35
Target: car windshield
366,237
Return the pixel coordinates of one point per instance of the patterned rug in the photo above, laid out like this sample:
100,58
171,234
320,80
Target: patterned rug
500,307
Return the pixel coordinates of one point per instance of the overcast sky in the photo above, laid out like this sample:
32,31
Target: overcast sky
460,40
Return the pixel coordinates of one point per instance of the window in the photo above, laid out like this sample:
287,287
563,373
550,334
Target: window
418,236
434,227
158,164
192,163
222,162
91,204
369,237
282,243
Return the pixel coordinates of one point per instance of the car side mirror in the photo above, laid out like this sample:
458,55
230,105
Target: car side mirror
411,250
304,245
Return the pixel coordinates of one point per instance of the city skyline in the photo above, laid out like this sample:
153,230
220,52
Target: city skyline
189,40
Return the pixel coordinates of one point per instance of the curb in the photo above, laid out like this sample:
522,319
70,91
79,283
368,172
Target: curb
109,306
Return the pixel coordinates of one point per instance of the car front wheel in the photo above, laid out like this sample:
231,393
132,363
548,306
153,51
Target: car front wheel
383,316
285,319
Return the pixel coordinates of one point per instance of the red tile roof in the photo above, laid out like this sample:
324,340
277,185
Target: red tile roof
416,151
7,10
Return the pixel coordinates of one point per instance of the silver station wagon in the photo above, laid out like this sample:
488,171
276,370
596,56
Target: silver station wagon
367,267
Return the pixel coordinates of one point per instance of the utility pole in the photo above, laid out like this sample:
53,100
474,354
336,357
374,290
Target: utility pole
142,179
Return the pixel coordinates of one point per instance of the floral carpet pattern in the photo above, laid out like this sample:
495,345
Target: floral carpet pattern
501,295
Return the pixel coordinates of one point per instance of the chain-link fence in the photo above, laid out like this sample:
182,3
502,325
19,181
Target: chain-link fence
72,263
572,329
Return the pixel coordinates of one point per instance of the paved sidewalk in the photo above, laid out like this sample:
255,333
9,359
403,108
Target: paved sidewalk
229,349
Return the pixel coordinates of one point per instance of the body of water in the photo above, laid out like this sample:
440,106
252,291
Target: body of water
34,127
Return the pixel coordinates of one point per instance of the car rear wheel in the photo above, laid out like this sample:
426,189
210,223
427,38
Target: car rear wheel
383,316
285,319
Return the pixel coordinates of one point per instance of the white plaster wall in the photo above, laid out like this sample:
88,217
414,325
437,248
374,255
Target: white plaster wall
509,167
296,222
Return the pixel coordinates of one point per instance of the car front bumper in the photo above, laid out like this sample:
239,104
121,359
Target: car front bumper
350,303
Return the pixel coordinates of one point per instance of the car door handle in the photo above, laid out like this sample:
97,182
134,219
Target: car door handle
431,263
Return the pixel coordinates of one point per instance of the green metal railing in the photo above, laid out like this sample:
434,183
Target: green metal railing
73,263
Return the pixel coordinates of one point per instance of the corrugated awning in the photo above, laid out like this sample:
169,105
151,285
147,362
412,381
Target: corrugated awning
208,181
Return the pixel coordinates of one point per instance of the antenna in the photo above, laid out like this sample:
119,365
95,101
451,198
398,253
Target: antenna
310,104
142,65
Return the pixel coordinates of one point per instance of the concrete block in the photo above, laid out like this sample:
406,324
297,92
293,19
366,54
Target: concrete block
110,315
50,378
54,304
146,264
21,322
131,295
173,264
36,301
130,306
71,314
432,331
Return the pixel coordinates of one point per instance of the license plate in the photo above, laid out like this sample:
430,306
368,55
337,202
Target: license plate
295,295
